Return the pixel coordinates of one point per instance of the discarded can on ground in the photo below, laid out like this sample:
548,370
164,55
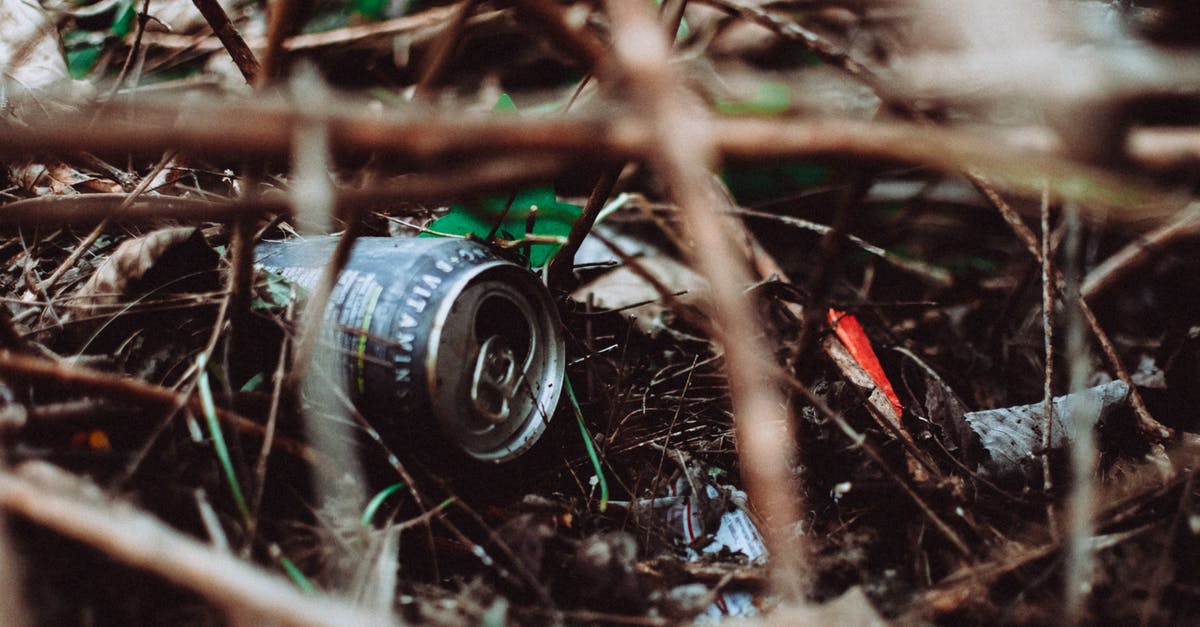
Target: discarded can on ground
438,332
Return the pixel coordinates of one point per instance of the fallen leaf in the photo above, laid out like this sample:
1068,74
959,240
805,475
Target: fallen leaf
57,177
143,263
623,288
33,61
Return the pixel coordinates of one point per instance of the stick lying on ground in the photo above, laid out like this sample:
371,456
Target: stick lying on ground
65,504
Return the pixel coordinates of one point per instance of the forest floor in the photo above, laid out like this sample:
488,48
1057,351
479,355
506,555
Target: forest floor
820,268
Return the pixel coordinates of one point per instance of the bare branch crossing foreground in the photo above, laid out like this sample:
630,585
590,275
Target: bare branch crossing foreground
59,501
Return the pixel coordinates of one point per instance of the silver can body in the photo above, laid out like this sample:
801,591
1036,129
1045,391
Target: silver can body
439,334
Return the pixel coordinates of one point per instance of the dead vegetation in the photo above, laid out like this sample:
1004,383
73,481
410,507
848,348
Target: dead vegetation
801,251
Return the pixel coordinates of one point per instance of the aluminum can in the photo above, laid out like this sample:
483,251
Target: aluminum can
439,335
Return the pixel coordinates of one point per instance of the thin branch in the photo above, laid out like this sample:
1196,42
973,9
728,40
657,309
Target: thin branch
419,26
86,245
265,128
29,369
1146,423
449,184
65,504
282,23
230,38
562,265
1186,226
682,153
444,46
1048,346
576,40
1078,568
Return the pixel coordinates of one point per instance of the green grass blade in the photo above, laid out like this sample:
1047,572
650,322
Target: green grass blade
289,568
214,428
589,445
377,501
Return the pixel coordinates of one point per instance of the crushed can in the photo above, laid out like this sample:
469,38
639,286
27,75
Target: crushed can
440,335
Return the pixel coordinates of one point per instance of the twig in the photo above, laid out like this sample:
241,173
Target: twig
230,38
562,265
670,12
58,501
1146,422
134,50
793,30
829,252
930,274
265,128
421,25
446,185
1185,226
313,318
30,369
859,440
1048,346
920,468
444,46
1079,566
86,244
682,153
264,452
282,22
575,40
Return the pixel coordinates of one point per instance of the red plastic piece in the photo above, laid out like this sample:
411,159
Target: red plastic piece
851,333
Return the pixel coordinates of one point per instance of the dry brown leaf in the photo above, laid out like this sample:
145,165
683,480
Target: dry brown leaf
32,59
124,271
623,288
57,177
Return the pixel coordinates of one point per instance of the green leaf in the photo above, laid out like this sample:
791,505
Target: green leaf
80,61
123,20
551,218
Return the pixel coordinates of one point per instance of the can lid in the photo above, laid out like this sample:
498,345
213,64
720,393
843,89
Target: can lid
495,362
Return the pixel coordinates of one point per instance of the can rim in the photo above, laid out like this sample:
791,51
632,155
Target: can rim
546,327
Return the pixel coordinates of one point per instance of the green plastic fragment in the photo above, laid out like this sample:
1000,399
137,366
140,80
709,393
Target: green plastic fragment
771,98
123,20
550,217
752,184
505,104
80,61
374,10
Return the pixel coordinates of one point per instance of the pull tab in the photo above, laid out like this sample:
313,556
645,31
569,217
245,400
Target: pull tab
494,383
